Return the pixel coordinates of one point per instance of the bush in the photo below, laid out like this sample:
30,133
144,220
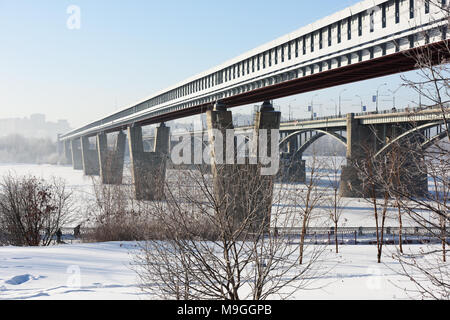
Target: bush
116,216
32,210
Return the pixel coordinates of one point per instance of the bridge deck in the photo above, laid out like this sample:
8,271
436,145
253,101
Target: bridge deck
371,39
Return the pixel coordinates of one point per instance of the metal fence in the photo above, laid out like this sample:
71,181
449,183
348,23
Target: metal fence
326,235
365,235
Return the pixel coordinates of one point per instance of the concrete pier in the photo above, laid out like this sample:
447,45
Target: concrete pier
292,165
292,168
359,142
67,153
149,168
91,166
111,161
266,119
363,144
240,190
413,172
77,159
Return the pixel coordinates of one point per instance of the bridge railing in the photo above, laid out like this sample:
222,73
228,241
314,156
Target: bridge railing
368,113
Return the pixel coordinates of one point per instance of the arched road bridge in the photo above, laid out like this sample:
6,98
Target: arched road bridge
370,39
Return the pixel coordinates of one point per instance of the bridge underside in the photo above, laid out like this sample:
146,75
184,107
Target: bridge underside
377,67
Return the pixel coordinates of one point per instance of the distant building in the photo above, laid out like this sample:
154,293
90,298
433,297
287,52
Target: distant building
35,126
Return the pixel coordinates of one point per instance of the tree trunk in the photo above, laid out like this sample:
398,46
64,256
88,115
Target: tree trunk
444,240
336,236
400,231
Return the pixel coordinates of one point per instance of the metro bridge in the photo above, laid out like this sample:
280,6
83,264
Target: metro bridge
371,39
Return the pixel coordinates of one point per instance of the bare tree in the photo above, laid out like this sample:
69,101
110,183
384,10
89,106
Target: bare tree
336,201
398,159
425,153
307,198
32,210
115,215
223,247
371,171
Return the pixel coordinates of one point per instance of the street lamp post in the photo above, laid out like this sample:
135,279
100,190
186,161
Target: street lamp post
393,96
420,94
378,90
340,95
335,107
358,96
290,108
312,106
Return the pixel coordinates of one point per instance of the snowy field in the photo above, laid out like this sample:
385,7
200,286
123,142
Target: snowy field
103,271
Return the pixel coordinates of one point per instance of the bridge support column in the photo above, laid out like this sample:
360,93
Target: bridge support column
413,172
416,177
197,150
77,159
111,161
292,166
358,142
149,168
267,119
60,149
91,166
293,169
407,154
67,153
240,189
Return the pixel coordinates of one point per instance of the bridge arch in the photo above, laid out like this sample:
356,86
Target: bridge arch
407,134
320,134
434,140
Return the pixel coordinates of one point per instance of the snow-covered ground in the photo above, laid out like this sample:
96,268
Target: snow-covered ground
104,271
82,271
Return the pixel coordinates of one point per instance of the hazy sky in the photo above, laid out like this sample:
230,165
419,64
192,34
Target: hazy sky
127,50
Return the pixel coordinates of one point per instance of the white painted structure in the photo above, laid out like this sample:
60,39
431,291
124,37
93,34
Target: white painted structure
369,29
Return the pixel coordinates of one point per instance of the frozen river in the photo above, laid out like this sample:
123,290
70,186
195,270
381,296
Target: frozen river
356,212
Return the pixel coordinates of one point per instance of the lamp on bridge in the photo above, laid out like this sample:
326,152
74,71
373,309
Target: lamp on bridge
378,91
290,114
335,107
311,107
363,108
393,96
340,96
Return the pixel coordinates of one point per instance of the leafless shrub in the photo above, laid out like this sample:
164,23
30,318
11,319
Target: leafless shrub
307,199
32,210
114,214
421,155
238,256
377,174
336,202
